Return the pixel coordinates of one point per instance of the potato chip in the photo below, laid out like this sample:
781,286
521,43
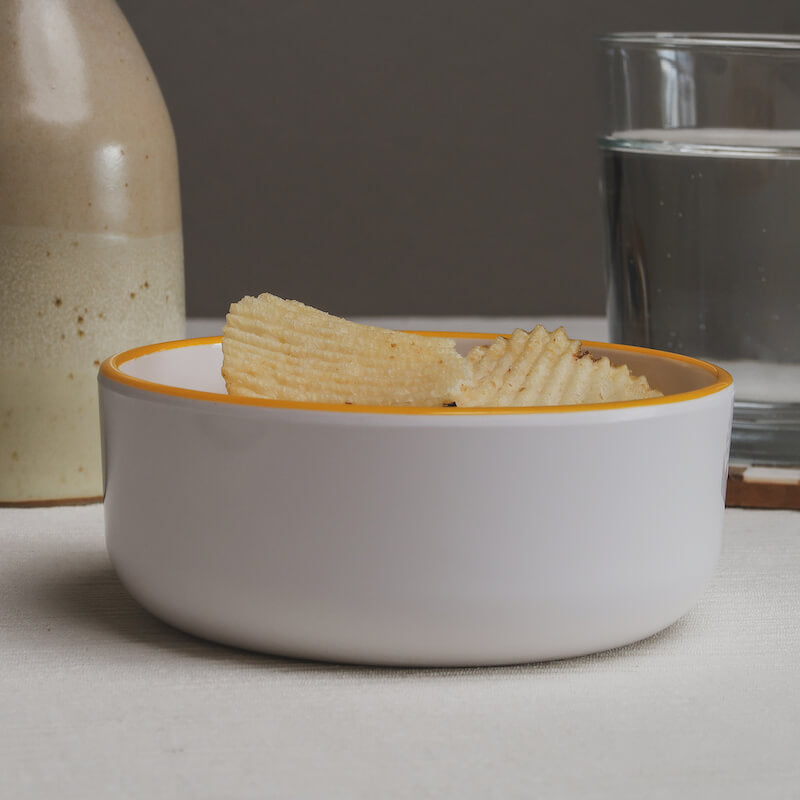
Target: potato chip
284,350
543,369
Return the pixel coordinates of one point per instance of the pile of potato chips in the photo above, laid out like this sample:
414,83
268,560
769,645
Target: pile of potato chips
284,350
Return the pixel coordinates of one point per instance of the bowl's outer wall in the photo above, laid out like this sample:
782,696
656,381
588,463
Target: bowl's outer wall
393,539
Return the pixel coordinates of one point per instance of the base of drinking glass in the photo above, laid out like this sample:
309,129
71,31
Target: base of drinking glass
766,433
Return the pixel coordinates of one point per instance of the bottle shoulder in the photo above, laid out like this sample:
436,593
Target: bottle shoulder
86,140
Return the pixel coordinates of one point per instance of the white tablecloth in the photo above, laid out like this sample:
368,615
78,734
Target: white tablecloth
100,699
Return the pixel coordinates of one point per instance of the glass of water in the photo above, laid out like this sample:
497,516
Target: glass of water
700,181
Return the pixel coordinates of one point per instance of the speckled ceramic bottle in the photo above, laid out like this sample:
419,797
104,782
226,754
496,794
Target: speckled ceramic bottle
91,252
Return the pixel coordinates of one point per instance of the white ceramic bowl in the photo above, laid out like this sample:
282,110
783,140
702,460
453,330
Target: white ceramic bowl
412,536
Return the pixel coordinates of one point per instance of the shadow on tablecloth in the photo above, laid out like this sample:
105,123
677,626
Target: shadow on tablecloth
80,606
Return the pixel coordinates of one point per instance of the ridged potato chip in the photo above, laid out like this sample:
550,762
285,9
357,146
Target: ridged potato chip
284,350
543,369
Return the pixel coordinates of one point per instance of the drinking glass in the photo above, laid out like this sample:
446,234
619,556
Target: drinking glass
700,176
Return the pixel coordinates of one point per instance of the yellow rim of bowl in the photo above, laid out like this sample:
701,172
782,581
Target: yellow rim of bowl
111,369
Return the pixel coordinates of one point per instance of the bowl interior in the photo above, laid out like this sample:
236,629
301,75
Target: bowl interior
195,365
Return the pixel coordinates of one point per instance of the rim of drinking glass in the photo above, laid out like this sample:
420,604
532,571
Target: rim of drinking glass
731,41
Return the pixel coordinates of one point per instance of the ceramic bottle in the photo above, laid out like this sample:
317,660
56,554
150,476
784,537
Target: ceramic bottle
91,251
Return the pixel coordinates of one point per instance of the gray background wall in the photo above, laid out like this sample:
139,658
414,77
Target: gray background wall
377,157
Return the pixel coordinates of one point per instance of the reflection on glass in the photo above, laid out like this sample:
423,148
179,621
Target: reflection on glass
678,95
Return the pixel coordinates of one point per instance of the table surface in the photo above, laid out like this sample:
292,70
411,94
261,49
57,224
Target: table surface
100,699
